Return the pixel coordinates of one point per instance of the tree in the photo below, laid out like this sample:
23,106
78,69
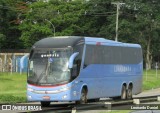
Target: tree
146,26
95,20
138,23
9,24
62,15
27,21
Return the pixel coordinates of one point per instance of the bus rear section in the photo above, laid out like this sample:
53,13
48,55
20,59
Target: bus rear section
111,69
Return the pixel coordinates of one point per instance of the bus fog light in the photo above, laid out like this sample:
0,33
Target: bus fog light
64,97
29,97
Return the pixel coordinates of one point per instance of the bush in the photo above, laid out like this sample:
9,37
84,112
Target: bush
9,99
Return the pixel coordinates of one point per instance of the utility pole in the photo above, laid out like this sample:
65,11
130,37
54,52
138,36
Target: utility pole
117,16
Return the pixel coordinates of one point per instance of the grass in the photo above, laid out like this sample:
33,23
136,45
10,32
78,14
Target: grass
150,80
13,86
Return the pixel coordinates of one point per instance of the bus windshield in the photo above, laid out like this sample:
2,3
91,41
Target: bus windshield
49,67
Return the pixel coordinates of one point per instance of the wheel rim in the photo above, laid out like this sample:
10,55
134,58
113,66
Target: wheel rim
83,97
129,93
124,94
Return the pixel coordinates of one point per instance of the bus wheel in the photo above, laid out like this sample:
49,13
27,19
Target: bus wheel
123,93
129,93
45,103
83,98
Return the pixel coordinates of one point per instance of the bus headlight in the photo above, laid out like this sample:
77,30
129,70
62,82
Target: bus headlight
64,89
30,89
29,97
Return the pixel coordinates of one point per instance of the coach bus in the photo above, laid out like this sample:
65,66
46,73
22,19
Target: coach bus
79,69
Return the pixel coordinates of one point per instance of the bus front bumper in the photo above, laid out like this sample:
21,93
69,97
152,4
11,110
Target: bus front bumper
52,95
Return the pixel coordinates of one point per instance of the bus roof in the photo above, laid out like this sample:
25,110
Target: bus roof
94,41
58,42
65,41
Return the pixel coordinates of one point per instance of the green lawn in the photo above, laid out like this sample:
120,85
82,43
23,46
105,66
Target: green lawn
13,86
150,80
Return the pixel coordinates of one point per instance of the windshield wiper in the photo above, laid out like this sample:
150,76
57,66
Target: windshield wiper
40,77
47,69
44,71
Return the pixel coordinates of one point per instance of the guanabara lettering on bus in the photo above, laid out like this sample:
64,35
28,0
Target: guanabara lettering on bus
80,69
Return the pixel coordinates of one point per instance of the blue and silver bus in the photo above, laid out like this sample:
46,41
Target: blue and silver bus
75,68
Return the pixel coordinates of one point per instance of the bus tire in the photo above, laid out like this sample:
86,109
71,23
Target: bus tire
129,92
123,93
45,103
83,98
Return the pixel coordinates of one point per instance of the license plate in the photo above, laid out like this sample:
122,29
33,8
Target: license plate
46,97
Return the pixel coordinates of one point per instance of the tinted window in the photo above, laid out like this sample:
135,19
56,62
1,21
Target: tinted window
112,55
79,48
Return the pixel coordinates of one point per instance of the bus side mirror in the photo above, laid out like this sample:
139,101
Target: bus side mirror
71,59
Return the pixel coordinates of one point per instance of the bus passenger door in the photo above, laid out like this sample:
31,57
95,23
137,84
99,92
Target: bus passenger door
76,69
74,65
